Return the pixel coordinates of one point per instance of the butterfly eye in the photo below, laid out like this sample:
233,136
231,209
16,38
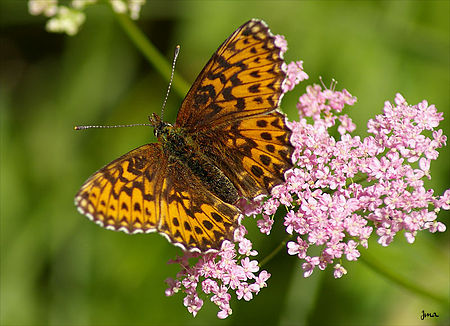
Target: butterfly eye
161,129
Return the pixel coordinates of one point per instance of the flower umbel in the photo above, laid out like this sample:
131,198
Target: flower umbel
339,192
334,211
69,18
218,273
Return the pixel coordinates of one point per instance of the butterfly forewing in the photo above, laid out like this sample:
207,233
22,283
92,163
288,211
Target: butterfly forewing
231,109
243,78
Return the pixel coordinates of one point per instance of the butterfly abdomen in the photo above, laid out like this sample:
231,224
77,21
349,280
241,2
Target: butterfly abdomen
182,149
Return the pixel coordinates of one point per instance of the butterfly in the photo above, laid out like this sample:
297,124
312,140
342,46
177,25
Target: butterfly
229,142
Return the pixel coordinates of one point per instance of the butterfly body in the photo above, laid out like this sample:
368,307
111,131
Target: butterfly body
180,148
228,142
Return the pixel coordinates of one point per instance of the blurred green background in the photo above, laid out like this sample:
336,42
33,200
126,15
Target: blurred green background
57,268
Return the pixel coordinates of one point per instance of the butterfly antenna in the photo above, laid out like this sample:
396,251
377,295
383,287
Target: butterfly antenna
175,56
177,51
117,126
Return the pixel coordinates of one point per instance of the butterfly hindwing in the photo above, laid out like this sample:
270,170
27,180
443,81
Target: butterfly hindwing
191,214
123,195
142,192
258,152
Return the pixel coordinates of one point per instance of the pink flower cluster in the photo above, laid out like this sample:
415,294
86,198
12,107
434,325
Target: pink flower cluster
218,273
294,75
341,190
338,193
294,70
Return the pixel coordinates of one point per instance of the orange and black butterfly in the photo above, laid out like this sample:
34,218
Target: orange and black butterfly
228,142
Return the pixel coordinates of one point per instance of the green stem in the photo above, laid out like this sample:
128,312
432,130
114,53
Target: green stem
275,251
360,179
381,269
151,53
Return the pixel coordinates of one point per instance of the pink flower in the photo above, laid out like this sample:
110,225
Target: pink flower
293,248
443,201
245,292
311,263
193,303
394,199
280,41
209,286
298,248
350,250
239,233
234,276
435,226
339,271
174,286
224,313
250,207
347,124
227,249
386,236
260,281
265,224
271,206
295,75
245,248
222,299
290,221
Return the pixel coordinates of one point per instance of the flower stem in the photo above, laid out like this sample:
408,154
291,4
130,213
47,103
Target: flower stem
378,267
151,53
275,251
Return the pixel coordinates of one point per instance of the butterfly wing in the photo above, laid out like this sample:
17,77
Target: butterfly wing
258,152
123,195
242,79
231,108
192,215
142,192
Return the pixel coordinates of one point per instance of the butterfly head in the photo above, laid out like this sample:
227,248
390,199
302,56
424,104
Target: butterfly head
161,127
